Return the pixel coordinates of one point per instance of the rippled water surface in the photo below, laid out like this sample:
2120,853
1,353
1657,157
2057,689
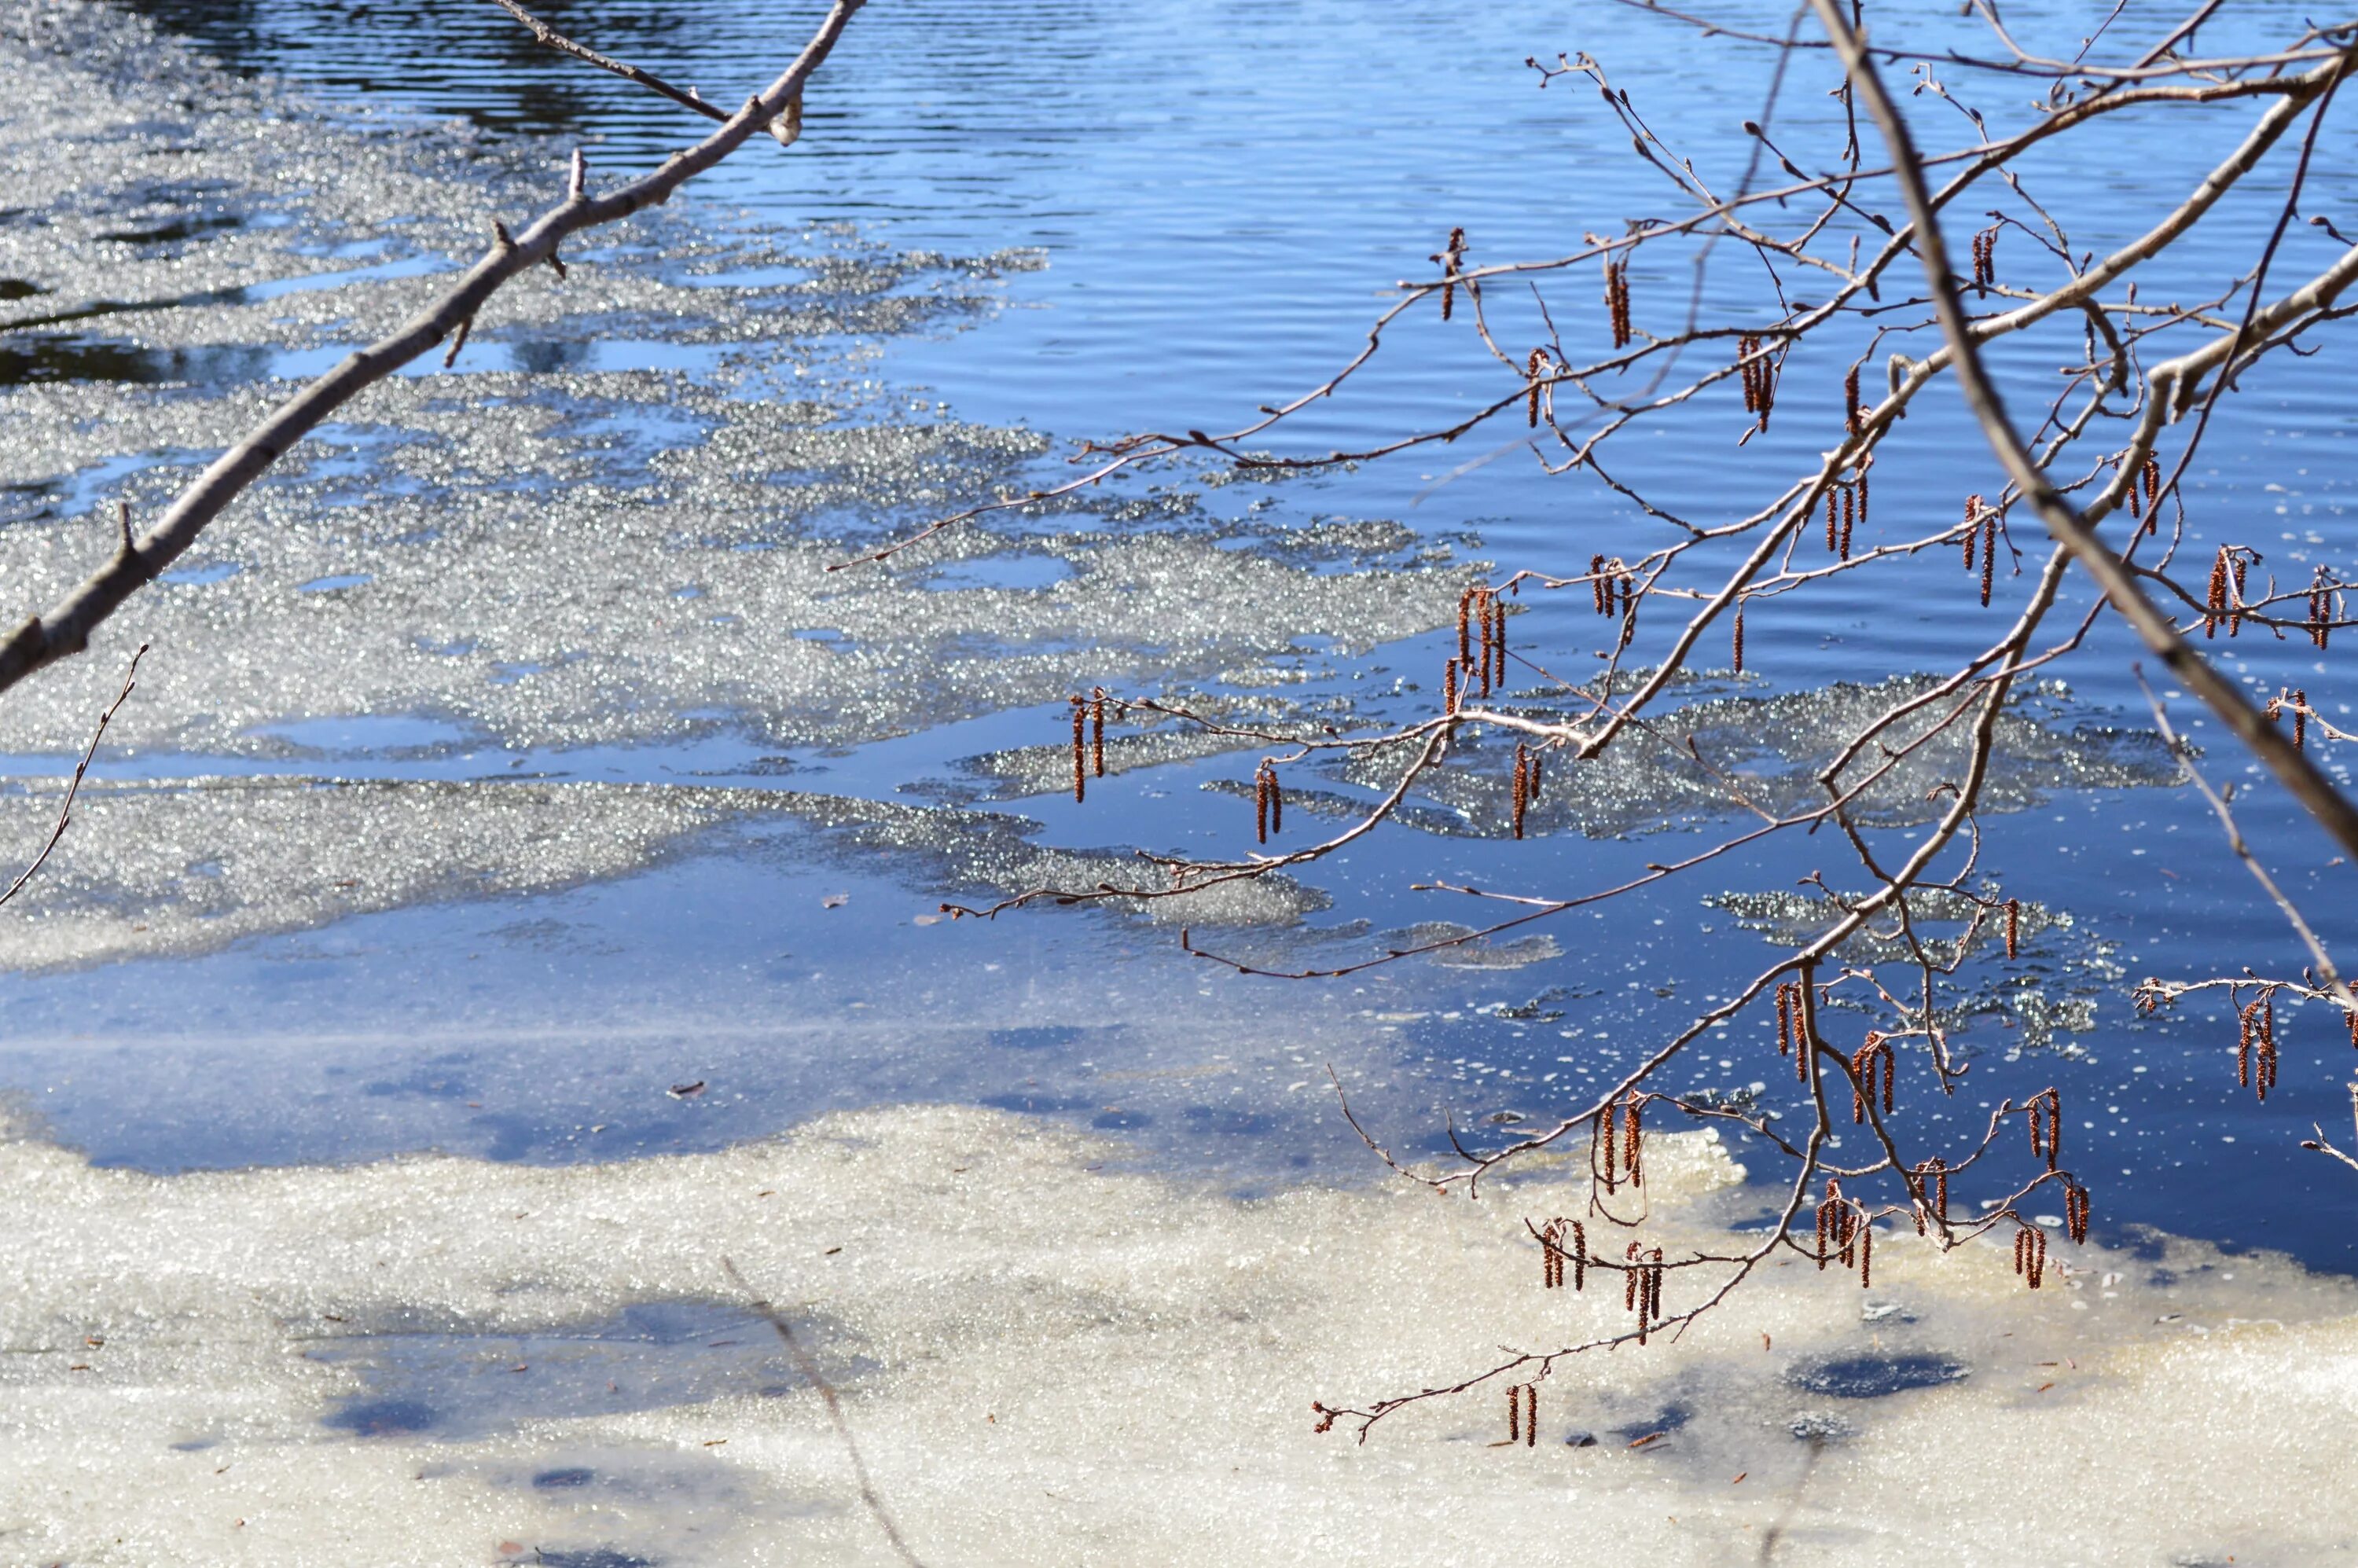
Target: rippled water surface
1009,228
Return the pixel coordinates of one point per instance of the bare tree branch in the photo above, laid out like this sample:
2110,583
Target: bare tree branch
64,629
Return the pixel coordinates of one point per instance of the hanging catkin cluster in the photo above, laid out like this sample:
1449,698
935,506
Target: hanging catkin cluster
1620,1135
1759,379
2297,704
2075,1213
1269,802
1870,1060
2046,1117
1793,1028
1612,584
1931,1193
1553,1254
2148,481
2030,1255
1985,259
1845,507
1642,1287
2013,926
2225,600
1482,620
1617,299
1845,1233
2255,1052
1452,259
1987,538
1523,1414
1088,740
1527,782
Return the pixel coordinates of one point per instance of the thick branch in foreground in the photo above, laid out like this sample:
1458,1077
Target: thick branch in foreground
2293,769
64,629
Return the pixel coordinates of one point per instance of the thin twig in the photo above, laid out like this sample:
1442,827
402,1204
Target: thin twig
808,1368
65,811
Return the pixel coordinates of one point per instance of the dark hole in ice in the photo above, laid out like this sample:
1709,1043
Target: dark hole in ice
571,1476
385,1418
1117,1120
1873,1376
1668,1420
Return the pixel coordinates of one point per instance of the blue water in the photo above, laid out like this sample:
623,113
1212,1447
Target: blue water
1226,194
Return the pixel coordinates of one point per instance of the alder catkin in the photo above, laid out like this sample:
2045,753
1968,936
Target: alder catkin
1850,402
2013,926
1989,554
1097,734
1739,636
1080,779
1532,373
1972,532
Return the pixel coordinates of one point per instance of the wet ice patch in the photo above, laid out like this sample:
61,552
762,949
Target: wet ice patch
192,866
1774,748
1007,1312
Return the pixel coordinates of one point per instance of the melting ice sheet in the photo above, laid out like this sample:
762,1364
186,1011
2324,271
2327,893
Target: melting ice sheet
439,1360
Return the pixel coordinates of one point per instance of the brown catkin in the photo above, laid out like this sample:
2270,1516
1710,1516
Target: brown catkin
1097,734
1850,402
2299,720
1850,508
1261,804
1080,779
1989,554
1465,625
1609,1134
1532,373
1522,783
2214,604
2235,611
1833,523
1972,532
1739,636
2137,507
1749,370
1449,261
2244,1018
1633,1149
1867,463
2013,926
1449,687
1530,1415
1514,1415
1597,584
